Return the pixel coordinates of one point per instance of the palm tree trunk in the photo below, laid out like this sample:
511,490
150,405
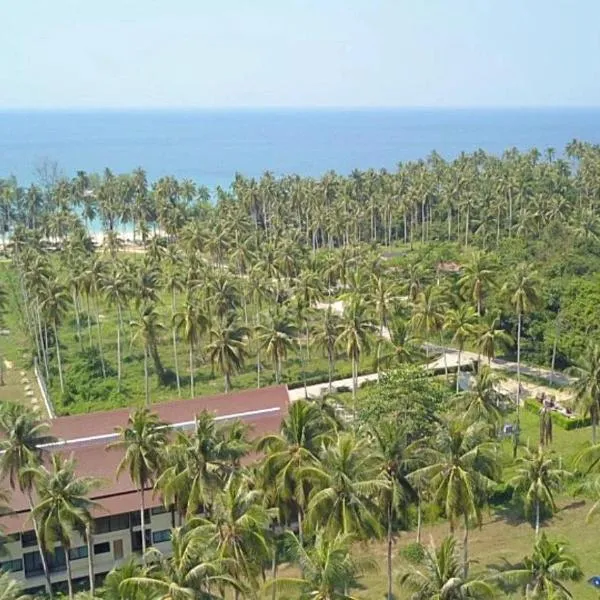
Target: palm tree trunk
90,551
40,547
146,382
466,548
258,366
77,320
300,528
274,571
354,383
330,369
423,221
516,436
510,212
99,333
175,344
378,357
69,573
143,522
458,371
60,371
277,369
192,369
43,347
390,541
498,228
158,366
89,321
119,327
227,381
419,520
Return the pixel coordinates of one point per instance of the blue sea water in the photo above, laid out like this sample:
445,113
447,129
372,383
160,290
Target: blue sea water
209,146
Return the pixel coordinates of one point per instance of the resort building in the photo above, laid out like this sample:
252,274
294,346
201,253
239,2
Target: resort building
117,528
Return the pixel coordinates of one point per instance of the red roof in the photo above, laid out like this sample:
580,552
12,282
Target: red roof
119,495
78,426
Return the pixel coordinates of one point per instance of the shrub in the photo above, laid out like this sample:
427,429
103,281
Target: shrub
413,552
559,419
502,494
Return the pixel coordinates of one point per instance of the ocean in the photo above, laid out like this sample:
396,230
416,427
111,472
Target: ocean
210,146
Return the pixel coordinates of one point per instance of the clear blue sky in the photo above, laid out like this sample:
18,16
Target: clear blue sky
229,53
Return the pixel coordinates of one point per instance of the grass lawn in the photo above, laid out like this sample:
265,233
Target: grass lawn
502,541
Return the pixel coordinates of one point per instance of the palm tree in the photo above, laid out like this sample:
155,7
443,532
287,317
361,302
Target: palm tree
441,577
462,466
303,431
189,572
478,277
148,329
277,337
402,347
327,568
10,589
428,313
196,467
325,337
542,574
347,482
238,529
55,304
63,508
191,322
587,386
491,337
111,589
116,290
385,297
399,459
462,323
308,290
522,291
227,348
537,478
480,403
356,330
259,291
21,449
173,281
142,442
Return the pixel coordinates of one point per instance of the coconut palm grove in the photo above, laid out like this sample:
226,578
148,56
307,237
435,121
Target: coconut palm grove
436,326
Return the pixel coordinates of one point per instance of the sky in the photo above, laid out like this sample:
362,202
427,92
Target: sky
298,53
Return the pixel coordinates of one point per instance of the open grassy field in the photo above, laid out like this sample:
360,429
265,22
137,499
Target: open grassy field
501,543
505,537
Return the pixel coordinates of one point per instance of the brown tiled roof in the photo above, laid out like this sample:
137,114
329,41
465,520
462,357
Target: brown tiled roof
91,424
119,495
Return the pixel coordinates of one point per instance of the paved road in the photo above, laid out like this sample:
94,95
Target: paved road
451,362
448,359
314,391
506,365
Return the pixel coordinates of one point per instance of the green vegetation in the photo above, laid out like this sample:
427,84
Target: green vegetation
341,494
482,252
302,281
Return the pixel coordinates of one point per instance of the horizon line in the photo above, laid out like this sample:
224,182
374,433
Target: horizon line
291,108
